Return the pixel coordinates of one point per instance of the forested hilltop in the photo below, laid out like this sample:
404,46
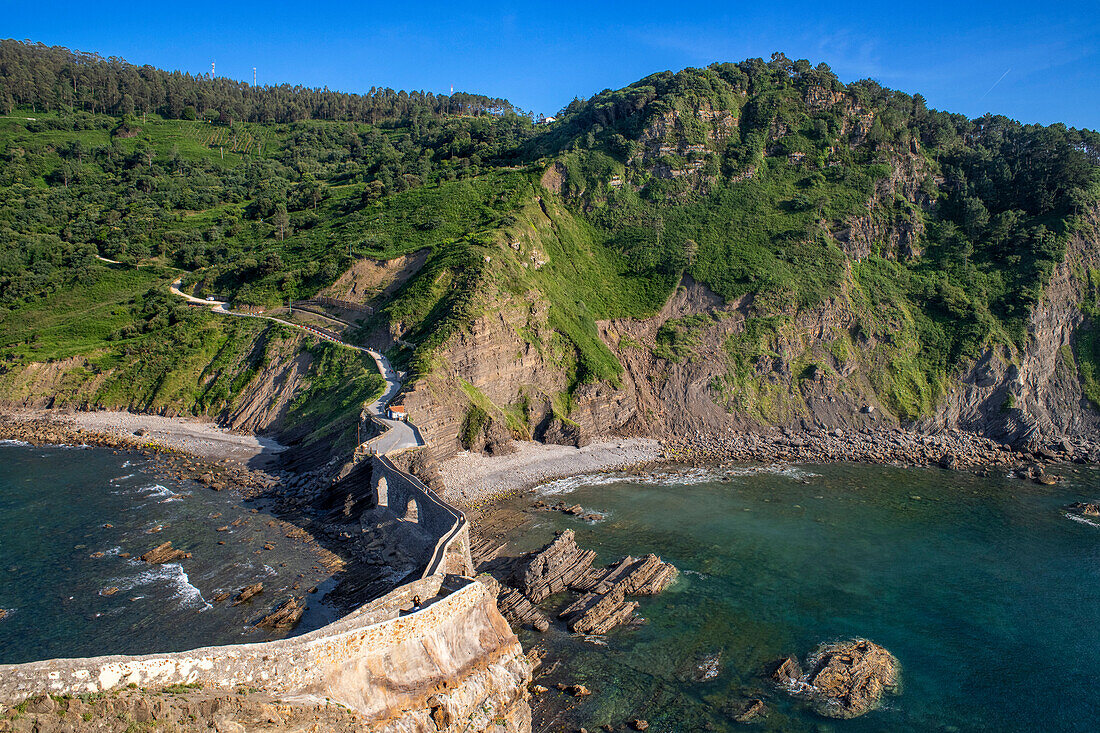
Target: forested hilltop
826,239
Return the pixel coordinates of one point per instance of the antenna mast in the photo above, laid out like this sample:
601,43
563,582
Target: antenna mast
253,76
211,69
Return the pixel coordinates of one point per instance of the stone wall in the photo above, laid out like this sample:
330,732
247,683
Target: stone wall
390,663
408,497
451,665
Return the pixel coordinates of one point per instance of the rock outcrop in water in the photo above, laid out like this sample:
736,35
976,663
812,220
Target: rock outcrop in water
285,616
248,592
164,553
1085,508
845,680
555,568
602,604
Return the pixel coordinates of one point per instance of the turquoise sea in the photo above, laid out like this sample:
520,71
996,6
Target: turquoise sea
985,589
69,513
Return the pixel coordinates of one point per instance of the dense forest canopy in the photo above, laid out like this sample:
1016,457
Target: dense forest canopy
758,178
45,78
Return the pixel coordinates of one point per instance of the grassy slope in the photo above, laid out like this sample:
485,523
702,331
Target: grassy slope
604,251
200,364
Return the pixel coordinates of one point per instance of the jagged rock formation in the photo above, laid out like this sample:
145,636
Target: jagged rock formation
285,616
164,553
845,680
1084,508
602,604
248,592
555,568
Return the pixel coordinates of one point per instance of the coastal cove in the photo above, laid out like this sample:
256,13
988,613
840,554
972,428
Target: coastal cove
78,519
983,588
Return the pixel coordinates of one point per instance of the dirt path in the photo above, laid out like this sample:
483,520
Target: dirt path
400,436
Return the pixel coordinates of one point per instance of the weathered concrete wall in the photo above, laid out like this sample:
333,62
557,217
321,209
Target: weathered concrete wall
382,660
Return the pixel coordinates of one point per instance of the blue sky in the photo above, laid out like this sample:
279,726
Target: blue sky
1036,62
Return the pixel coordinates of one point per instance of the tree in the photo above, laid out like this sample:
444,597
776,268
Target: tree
691,249
281,221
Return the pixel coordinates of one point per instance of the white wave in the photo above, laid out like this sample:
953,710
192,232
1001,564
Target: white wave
174,577
122,478
157,490
685,477
126,464
1083,520
709,667
592,639
9,441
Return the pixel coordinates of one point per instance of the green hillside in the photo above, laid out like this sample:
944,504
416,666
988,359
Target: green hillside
769,181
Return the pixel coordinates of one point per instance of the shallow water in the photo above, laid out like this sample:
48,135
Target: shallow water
986,591
55,503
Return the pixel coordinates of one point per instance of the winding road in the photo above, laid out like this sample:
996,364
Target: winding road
400,436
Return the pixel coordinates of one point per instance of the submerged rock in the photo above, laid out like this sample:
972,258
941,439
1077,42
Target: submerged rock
749,711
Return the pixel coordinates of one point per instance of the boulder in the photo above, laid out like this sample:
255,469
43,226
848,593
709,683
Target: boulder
164,553
848,679
247,592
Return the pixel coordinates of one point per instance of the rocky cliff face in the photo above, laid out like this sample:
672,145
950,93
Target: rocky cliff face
260,406
1034,394
820,368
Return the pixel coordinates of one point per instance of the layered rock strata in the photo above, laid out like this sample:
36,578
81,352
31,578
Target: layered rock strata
602,603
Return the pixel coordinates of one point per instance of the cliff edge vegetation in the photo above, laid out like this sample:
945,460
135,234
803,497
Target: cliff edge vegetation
745,244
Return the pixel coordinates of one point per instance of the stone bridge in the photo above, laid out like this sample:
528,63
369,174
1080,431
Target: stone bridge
452,664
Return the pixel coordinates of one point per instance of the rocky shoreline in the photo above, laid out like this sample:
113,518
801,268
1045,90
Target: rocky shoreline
290,495
952,449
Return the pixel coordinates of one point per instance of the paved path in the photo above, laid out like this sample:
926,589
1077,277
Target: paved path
400,436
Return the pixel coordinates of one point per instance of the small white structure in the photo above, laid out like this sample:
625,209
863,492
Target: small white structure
396,412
